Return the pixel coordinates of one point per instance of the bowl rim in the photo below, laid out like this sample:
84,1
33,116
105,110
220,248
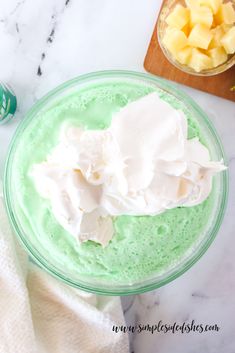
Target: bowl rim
162,84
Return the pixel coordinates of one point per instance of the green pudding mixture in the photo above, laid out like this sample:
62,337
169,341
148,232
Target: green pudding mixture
142,245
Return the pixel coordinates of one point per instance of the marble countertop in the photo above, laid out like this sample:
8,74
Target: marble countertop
46,42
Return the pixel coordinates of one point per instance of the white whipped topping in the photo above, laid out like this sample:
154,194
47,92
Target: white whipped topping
142,164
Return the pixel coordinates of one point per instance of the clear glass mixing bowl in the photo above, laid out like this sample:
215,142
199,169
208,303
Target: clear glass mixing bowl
96,285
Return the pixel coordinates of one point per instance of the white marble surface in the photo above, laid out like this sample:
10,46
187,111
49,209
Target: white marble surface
45,42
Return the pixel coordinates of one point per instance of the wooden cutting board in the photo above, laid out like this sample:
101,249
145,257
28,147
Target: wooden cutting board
156,63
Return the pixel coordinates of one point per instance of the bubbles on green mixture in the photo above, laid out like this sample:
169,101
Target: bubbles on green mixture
143,245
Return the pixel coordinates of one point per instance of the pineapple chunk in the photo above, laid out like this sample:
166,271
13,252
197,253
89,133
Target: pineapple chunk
212,4
179,17
201,15
170,29
218,56
192,3
184,55
226,27
217,32
200,61
174,40
200,36
228,41
225,14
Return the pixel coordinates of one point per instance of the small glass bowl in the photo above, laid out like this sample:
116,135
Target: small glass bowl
96,285
161,29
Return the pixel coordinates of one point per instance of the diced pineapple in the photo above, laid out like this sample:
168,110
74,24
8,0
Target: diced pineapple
174,40
212,4
225,14
184,55
201,15
200,61
218,56
228,41
217,32
200,36
179,17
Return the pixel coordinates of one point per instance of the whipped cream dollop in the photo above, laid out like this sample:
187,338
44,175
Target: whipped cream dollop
143,164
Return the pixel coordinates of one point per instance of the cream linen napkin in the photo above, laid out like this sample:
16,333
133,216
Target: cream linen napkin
38,314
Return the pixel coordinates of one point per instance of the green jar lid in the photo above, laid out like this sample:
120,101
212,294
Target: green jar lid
8,103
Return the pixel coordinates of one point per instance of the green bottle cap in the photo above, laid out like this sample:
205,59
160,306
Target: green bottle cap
8,103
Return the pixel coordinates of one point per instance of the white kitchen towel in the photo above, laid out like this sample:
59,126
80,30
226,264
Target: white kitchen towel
39,314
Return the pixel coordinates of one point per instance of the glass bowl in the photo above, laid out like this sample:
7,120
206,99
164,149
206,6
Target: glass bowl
98,285
167,7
